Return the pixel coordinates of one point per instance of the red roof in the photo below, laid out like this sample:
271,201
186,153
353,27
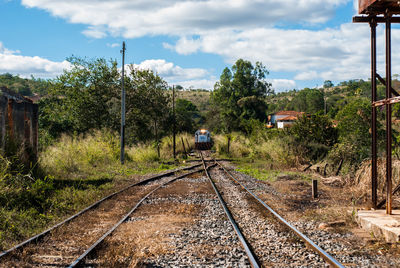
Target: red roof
289,113
288,118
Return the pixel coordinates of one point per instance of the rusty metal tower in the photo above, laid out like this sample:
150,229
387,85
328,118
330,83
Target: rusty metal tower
375,12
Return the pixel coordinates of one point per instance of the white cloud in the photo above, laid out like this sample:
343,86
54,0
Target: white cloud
25,66
176,75
235,29
172,72
181,17
280,85
331,54
113,45
308,75
184,46
200,83
95,32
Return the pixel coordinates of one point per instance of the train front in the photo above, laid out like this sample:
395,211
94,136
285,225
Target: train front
202,140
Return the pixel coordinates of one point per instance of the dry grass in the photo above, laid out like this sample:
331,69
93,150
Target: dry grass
132,244
167,144
362,180
274,150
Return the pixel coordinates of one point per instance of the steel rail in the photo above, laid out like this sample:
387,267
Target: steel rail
246,247
79,260
328,258
94,205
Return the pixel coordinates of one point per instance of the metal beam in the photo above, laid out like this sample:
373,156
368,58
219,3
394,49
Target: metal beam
374,165
388,118
394,92
378,19
386,101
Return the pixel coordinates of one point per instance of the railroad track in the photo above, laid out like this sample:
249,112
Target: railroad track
252,256
57,246
68,242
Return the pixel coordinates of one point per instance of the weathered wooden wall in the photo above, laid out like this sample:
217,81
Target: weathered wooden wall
18,123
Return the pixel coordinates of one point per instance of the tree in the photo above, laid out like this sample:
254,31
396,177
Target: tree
187,116
315,128
314,135
147,105
88,94
328,84
240,94
354,129
307,100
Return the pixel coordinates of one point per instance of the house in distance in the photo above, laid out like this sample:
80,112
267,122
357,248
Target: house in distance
283,119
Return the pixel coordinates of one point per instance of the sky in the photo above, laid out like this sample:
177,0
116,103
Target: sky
302,43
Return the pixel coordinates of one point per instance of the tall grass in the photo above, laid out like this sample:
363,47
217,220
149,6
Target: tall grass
73,154
275,150
75,171
143,153
167,145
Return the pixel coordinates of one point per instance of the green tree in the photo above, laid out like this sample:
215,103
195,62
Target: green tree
314,135
187,116
88,94
307,100
240,94
354,122
328,84
147,105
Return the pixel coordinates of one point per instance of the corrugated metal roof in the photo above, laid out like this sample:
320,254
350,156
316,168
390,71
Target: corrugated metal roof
378,6
13,95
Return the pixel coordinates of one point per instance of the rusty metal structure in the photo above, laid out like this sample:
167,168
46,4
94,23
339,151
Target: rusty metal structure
375,12
18,123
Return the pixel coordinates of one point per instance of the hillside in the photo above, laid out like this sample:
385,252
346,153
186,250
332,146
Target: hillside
200,98
24,86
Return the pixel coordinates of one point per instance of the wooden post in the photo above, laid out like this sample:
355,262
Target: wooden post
314,189
340,167
174,122
183,144
188,145
229,142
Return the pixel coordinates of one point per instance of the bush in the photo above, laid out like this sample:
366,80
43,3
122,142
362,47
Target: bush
143,153
70,154
239,145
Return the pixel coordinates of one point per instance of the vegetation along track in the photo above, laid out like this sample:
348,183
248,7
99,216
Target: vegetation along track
61,244
258,233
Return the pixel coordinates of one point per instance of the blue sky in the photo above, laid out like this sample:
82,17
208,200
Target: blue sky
302,43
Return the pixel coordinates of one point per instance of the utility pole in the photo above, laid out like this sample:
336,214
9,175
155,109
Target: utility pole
123,106
324,101
174,121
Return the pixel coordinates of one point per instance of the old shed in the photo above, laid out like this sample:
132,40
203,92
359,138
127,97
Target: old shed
18,123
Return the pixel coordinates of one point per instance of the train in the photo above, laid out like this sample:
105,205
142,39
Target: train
202,140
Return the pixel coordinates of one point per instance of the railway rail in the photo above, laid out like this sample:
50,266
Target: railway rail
247,247
136,194
79,261
38,243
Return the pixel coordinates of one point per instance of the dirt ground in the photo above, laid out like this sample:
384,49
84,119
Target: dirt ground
131,244
332,211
